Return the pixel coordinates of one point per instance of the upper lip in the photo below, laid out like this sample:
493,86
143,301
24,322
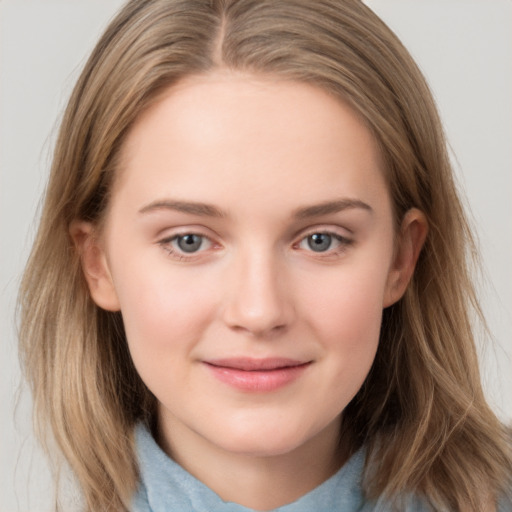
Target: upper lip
255,364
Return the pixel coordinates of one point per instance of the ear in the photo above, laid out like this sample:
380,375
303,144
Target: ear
94,265
410,240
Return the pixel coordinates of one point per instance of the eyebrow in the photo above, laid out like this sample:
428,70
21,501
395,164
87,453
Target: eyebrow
330,207
190,207
208,210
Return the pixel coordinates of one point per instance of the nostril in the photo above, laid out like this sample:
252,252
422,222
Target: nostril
260,332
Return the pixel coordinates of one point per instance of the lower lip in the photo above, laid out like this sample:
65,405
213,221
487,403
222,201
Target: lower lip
258,381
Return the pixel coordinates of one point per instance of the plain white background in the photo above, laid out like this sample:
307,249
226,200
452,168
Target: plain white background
463,46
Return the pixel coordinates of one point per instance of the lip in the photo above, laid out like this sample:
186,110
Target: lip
257,375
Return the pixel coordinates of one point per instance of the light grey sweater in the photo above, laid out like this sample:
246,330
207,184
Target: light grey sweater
167,487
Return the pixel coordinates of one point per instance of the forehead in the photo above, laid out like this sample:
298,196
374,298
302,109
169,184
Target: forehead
252,132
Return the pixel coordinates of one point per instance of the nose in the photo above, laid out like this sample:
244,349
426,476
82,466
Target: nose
258,300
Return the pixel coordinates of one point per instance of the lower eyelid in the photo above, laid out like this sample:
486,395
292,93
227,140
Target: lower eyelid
168,244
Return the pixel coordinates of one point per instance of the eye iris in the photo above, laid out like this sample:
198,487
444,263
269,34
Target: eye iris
189,243
319,242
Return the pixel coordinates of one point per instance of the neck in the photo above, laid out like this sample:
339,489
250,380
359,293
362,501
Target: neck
256,481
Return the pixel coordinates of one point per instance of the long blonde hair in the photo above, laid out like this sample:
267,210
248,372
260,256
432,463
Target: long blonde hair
421,412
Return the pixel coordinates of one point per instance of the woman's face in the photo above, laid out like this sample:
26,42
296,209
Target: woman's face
249,245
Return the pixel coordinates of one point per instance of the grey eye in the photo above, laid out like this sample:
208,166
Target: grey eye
189,243
319,242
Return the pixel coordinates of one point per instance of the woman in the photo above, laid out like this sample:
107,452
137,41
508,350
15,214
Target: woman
189,111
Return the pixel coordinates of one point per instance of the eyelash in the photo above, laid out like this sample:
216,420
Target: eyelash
343,244
167,245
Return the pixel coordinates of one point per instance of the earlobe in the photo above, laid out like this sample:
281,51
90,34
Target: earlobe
413,233
94,265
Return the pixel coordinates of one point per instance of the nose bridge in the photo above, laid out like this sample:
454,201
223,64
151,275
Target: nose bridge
258,301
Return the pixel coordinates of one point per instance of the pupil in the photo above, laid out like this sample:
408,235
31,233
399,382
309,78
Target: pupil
189,243
319,242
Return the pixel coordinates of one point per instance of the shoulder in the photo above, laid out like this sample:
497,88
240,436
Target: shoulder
411,504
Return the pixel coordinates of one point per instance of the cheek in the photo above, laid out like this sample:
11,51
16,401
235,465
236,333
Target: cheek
163,311
347,319
347,305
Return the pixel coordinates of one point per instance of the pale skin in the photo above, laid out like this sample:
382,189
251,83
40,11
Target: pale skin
251,219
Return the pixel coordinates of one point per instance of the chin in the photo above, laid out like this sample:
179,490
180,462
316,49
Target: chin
267,441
